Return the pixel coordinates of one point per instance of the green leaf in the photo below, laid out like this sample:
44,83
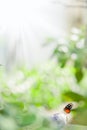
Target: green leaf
26,119
79,74
73,96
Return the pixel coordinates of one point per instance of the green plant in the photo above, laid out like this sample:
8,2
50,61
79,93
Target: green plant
24,92
71,51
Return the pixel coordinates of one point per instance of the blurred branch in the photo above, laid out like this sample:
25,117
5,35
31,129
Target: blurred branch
82,1
86,29
72,6
86,36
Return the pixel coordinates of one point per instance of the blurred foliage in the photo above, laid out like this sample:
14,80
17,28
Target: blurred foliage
71,50
26,94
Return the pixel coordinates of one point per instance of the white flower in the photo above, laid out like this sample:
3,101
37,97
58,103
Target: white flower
60,118
80,44
74,37
76,31
74,56
63,48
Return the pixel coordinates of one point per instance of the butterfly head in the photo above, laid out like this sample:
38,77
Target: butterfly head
68,108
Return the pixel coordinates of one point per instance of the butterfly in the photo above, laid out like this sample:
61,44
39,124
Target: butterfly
68,108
